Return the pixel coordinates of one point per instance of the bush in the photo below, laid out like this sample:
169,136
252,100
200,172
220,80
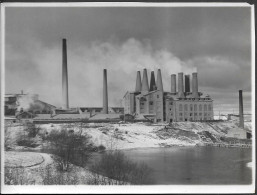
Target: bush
70,147
28,142
53,177
116,166
7,139
17,176
32,129
101,148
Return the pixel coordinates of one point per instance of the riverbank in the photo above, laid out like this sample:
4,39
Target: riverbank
140,135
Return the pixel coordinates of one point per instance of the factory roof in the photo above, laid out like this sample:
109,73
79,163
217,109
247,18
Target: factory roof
61,116
131,92
105,116
45,103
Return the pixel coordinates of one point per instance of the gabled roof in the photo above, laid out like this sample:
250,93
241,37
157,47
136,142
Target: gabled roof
45,103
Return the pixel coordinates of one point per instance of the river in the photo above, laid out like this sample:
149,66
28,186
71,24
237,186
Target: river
196,165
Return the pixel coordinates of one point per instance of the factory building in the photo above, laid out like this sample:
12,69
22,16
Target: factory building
16,104
176,105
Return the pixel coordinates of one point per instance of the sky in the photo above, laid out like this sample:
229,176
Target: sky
214,41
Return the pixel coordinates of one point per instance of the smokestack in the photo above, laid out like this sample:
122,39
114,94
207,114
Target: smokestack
187,83
138,82
159,80
105,93
145,85
65,96
152,82
241,111
195,85
180,85
173,83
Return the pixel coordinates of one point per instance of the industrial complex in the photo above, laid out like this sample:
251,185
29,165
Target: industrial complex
175,105
147,103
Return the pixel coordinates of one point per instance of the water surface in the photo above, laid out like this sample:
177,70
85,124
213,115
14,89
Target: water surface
196,165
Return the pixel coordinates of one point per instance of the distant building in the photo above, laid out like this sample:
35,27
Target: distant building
181,105
98,110
237,133
18,103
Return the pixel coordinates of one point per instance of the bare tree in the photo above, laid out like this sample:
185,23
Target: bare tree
117,167
70,147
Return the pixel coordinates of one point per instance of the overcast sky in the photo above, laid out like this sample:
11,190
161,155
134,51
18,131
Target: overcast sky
214,41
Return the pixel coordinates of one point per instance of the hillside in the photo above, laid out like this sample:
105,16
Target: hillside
141,135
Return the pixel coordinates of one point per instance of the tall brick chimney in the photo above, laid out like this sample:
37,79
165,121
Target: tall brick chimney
195,85
187,83
145,85
152,82
173,83
138,82
241,110
65,93
105,92
180,85
159,80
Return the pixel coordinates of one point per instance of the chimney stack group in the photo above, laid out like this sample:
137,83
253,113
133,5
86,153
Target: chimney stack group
144,86
181,90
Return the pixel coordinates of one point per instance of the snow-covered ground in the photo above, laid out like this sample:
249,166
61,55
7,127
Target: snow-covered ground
142,135
40,168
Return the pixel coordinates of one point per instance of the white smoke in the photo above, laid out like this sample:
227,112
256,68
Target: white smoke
26,102
85,70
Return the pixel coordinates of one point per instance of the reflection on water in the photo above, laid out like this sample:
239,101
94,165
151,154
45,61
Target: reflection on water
196,165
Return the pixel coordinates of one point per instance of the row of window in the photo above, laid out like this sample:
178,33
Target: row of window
195,114
191,119
195,107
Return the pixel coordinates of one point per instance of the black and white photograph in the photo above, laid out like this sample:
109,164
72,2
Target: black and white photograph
127,97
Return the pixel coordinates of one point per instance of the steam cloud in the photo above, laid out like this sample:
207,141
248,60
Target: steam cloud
25,102
85,66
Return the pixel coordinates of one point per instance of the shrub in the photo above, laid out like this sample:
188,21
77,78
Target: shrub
101,148
17,176
116,166
53,177
70,147
28,142
32,129
7,139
